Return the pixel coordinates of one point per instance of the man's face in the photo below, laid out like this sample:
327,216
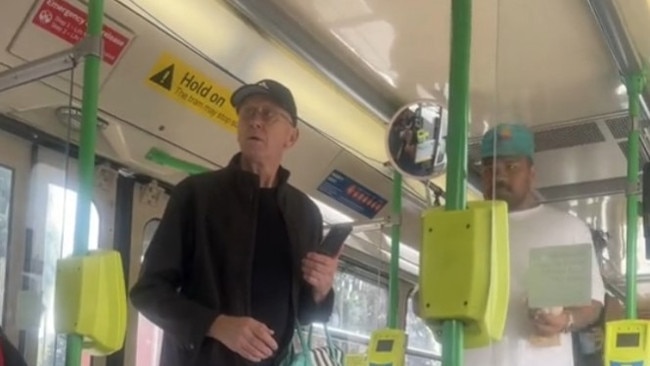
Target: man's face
264,129
509,179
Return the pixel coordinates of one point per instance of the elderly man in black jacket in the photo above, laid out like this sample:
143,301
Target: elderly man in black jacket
233,264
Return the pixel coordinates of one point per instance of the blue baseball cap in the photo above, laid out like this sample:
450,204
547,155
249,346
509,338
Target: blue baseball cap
513,140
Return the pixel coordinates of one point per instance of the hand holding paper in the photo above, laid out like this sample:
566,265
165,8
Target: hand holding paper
550,323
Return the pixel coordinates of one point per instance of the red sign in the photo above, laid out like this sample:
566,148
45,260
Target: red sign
69,23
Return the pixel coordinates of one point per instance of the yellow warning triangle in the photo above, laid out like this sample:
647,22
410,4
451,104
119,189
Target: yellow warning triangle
165,77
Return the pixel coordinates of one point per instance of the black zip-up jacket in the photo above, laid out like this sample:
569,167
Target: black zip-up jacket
198,264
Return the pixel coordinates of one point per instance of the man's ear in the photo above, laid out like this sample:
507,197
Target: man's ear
293,138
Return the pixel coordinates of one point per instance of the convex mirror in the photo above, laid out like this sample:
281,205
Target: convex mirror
416,140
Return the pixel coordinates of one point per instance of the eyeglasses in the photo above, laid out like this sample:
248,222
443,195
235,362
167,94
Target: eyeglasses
268,115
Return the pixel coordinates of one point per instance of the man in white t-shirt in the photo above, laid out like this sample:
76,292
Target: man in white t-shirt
532,337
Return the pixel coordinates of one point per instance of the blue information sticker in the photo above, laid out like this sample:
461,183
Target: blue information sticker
353,195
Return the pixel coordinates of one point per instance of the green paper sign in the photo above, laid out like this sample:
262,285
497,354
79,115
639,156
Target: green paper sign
560,276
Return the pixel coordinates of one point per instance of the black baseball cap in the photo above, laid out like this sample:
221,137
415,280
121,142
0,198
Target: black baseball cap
276,91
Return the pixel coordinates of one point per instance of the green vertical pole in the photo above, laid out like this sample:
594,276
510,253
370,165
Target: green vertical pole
461,39
395,232
89,107
634,87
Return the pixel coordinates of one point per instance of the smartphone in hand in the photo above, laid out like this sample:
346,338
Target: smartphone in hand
334,240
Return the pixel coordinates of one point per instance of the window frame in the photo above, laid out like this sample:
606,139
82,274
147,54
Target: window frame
10,221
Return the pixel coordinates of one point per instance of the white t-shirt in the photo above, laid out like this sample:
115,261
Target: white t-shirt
537,227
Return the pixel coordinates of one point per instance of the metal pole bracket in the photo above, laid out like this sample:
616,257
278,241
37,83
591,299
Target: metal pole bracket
50,65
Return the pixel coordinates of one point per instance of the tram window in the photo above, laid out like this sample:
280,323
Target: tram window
6,185
360,307
412,360
420,338
149,336
59,242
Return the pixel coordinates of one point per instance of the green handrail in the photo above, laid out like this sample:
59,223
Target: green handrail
461,37
89,107
395,233
635,85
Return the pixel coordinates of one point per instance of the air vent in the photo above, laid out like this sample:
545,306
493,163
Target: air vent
584,189
624,146
620,127
554,138
568,136
72,117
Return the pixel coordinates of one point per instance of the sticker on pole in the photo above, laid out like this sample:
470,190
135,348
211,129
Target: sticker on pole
182,83
353,195
69,23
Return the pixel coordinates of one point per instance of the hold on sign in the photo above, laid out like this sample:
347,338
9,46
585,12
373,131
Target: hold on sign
69,23
180,81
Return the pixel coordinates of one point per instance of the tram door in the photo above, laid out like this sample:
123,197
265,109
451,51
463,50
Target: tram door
37,207
15,167
143,342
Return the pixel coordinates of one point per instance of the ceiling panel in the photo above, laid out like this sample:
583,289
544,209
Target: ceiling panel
636,17
568,136
620,126
539,61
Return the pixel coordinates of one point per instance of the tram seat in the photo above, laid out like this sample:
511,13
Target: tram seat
90,300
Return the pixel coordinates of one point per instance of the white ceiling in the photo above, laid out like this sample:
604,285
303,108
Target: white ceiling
536,61
636,17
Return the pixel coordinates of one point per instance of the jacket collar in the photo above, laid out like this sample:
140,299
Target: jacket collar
235,163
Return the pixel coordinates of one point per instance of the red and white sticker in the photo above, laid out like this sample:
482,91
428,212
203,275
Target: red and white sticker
69,23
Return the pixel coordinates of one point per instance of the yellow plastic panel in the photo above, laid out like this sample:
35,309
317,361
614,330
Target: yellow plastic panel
355,359
90,300
465,269
627,342
387,347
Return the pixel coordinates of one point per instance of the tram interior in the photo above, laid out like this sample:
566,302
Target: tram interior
350,64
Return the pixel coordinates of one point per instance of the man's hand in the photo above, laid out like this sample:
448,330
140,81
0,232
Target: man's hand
548,324
318,270
244,336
